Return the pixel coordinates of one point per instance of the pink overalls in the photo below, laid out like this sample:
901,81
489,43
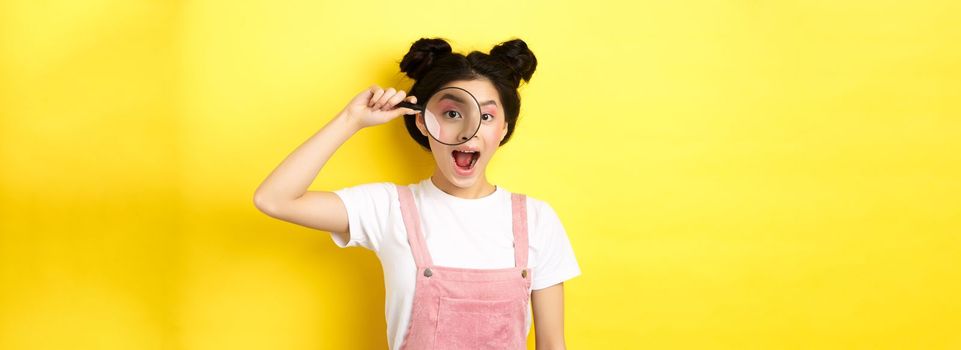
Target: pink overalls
459,308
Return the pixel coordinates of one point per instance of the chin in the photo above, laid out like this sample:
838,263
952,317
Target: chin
461,181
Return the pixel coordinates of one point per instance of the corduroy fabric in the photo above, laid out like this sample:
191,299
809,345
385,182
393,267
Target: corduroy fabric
459,308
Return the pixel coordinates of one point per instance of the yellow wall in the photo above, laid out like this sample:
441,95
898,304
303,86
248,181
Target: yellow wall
733,175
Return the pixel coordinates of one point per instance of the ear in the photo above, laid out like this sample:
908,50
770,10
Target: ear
419,121
504,132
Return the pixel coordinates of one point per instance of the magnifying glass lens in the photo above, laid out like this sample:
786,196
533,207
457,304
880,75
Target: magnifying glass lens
452,116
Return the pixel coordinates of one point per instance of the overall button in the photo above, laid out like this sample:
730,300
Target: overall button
428,273
524,273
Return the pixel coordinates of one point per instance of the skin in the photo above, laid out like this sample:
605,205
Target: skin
492,131
284,194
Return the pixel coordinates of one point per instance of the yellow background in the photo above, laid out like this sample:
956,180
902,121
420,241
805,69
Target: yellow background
732,174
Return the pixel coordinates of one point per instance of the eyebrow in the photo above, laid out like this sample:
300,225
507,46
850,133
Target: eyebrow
446,96
460,100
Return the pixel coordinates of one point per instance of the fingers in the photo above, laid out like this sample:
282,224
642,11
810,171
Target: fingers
377,93
386,99
380,101
389,99
408,111
391,102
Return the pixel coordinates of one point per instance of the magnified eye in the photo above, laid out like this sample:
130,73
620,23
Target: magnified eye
452,114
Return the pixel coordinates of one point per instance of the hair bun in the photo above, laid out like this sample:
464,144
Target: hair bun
423,53
518,57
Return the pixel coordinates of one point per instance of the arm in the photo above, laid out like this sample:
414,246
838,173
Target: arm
548,310
283,194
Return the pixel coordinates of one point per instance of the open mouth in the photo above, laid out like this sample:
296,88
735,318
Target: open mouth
465,160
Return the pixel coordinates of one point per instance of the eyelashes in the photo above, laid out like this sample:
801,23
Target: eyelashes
452,114
455,114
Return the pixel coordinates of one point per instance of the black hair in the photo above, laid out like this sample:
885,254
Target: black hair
432,64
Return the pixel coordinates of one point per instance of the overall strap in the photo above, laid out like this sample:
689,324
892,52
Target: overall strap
519,209
408,210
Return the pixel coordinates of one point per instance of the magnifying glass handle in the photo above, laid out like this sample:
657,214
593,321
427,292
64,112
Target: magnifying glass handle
405,104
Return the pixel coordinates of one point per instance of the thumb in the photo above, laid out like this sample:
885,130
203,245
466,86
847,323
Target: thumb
407,111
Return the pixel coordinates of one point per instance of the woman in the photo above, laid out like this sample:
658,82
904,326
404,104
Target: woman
461,257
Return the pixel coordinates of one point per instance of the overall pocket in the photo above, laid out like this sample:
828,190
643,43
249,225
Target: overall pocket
479,324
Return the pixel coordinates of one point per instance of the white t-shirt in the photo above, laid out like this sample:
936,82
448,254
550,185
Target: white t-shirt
464,233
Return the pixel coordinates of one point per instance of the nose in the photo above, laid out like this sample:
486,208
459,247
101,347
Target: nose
465,137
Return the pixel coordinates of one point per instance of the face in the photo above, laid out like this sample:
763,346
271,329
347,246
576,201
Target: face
481,147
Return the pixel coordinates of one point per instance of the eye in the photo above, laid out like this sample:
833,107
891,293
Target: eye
452,114
487,117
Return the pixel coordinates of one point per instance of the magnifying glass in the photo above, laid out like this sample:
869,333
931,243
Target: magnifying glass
452,115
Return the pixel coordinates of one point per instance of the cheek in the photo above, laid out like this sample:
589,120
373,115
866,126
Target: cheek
491,136
437,150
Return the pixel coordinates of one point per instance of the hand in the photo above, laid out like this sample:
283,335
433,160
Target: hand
375,106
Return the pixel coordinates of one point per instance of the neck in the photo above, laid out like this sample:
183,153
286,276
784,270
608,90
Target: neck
481,188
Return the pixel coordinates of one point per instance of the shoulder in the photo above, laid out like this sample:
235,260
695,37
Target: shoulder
541,214
539,206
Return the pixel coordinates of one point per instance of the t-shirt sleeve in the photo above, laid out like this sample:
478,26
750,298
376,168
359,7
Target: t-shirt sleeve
556,262
368,208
